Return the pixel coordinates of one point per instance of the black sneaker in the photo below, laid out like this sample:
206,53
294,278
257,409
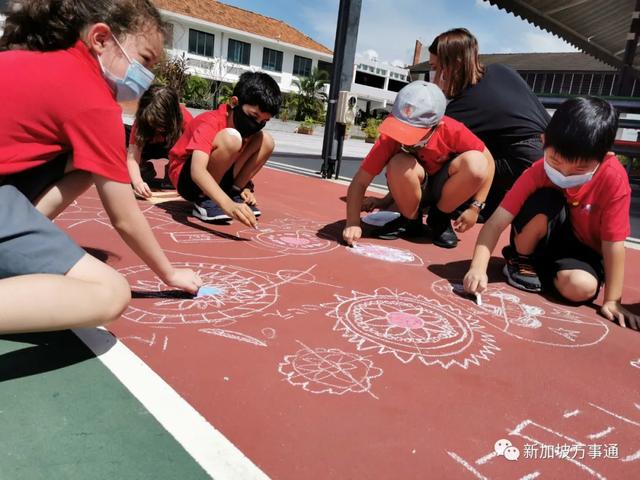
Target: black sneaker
209,211
401,227
520,271
442,233
236,197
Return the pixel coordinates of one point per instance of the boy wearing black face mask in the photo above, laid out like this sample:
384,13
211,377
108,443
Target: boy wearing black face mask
218,154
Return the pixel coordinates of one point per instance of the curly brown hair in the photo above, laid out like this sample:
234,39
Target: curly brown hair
46,25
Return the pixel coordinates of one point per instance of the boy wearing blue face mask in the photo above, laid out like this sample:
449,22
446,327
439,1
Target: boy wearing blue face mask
218,154
569,214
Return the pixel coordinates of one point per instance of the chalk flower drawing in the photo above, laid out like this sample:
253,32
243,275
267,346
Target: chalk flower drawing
412,327
329,370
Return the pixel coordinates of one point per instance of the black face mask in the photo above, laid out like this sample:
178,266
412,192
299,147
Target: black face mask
245,124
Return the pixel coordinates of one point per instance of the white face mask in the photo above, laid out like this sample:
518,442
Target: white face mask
432,75
569,181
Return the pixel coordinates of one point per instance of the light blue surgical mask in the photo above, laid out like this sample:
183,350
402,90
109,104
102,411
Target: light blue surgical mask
568,181
137,79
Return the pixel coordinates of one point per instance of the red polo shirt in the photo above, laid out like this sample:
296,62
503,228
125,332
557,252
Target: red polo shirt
198,135
58,102
450,138
160,139
598,209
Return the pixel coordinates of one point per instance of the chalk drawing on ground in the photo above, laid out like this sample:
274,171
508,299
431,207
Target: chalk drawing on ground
329,370
564,440
635,363
412,327
237,293
75,215
386,254
503,309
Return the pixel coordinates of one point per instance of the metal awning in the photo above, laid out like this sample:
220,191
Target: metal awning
598,27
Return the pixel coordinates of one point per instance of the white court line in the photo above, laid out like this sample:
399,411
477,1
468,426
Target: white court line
571,414
466,465
486,458
631,458
531,476
603,433
615,415
211,449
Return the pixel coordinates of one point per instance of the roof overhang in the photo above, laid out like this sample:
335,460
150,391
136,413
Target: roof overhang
598,27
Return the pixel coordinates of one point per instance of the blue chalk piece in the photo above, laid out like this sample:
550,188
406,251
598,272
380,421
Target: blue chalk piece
207,290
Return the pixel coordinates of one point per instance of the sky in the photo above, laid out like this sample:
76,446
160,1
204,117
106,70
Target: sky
389,28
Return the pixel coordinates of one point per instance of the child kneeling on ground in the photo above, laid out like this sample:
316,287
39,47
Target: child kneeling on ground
160,120
213,162
569,214
431,160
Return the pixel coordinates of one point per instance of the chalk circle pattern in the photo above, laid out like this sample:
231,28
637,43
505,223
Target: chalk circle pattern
239,293
504,310
412,327
329,370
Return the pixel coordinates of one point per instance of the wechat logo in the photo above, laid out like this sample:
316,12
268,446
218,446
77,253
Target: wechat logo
504,448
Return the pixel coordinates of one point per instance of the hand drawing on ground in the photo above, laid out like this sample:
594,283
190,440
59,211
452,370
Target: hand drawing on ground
586,438
386,254
329,370
412,327
236,293
503,309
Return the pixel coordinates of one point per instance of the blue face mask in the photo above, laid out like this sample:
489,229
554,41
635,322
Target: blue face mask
569,181
136,81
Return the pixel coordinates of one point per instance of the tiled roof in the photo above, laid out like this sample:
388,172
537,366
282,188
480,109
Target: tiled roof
240,19
538,62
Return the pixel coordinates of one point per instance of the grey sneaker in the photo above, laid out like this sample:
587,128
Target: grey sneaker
520,271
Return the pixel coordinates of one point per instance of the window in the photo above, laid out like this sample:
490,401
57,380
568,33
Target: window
369,80
168,35
271,60
396,85
301,66
201,43
325,67
596,85
239,52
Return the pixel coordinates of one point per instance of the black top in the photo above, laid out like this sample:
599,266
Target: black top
500,109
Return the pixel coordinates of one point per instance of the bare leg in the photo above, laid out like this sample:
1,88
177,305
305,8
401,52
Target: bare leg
576,285
405,176
226,146
252,158
90,294
534,231
59,196
467,173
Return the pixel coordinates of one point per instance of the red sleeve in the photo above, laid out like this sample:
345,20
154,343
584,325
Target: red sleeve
532,179
97,140
379,155
132,134
463,139
615,226
202,138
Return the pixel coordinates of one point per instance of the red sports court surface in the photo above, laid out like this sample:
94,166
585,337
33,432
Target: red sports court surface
319,361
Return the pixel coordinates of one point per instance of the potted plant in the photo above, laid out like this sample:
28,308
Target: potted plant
306,127
370,130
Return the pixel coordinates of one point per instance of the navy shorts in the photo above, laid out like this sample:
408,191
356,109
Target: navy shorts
29,242
559,249
188,189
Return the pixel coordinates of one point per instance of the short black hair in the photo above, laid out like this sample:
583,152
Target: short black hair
582,128
433,48
258,88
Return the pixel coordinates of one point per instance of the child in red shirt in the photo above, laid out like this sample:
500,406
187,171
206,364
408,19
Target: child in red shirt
61,131
431,160
160,120
213,162
569,214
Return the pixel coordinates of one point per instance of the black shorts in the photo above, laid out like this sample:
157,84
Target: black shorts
29,242
559,249
188,189
33,182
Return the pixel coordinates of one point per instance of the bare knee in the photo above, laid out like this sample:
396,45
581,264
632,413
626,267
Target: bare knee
401,165
475,165
229,140
576,285
267,144
118,296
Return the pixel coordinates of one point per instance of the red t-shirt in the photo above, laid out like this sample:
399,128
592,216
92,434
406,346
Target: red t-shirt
198,135
450,138
160,139
59,102
598,210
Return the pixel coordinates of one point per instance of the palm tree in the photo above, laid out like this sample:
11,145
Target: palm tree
311,97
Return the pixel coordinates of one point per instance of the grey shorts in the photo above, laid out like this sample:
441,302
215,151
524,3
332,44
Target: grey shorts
29,242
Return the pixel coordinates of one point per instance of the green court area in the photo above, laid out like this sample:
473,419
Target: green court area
63,415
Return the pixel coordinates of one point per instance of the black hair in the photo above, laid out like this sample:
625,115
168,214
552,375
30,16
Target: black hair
158,110
258,88
582,128
46,25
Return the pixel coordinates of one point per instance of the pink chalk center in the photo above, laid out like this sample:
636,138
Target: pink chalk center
297,241
404,320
